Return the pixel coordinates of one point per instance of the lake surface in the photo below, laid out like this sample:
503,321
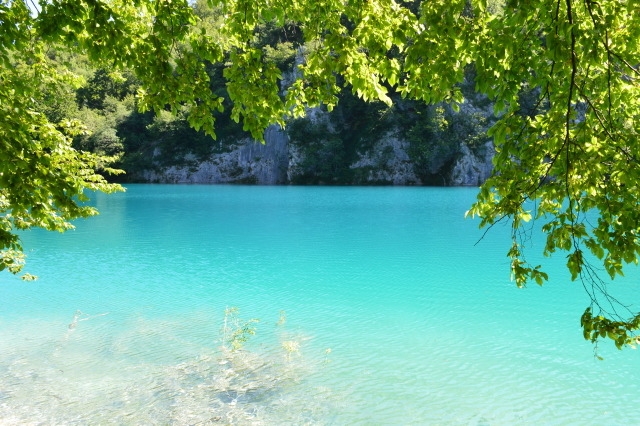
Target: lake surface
376,307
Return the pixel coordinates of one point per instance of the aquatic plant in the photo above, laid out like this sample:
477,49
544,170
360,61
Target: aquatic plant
90,379
235,331
291,347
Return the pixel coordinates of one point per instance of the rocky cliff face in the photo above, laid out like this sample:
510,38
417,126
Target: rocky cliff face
472,169
248,162
356,144
277,162
387,163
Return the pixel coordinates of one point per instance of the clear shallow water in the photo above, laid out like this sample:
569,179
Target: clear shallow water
400,318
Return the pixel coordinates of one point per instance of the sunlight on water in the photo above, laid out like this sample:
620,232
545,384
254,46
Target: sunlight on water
376,306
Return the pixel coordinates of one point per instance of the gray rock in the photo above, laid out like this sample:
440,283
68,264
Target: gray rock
472,169
250,162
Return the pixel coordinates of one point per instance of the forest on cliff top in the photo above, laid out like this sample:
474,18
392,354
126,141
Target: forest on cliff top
106,102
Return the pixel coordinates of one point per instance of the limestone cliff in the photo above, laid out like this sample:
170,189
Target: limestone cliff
248,162
279,162
355,144
386,161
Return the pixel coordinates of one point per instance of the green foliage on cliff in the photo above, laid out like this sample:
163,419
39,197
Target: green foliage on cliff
435,133
329,143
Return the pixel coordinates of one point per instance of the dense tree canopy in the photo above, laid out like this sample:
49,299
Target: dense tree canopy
568,160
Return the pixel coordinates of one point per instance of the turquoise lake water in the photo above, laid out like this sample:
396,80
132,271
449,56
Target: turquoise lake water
376,307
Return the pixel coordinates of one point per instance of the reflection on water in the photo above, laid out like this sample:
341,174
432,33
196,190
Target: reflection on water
394,315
